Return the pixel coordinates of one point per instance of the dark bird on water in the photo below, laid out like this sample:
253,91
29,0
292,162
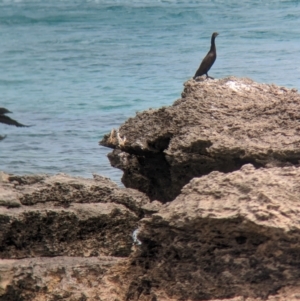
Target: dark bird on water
7,120
209,60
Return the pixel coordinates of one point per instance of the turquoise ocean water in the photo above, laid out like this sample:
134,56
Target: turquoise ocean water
77,69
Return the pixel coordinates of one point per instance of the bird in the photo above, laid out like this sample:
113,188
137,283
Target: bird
7,120
209,59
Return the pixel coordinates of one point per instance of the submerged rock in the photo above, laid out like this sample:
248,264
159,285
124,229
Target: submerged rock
217,125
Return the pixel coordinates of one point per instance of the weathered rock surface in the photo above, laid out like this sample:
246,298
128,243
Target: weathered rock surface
60,278
61,215
232,233
232,236
217,125
65,238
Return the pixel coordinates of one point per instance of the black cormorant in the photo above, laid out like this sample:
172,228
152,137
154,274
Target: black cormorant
209,60
7,120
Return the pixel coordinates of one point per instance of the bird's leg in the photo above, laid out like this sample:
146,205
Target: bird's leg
207,76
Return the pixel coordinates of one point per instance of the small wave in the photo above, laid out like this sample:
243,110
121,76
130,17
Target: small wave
13,82
291,17
16,19
26,20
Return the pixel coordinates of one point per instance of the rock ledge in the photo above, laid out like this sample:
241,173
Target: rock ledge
217,125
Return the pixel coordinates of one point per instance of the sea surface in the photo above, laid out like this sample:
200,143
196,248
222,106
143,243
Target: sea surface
76,69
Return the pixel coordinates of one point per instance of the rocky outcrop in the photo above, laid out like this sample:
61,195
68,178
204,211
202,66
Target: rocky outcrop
62,237
232,236
223,160
61,278
217,125
61,215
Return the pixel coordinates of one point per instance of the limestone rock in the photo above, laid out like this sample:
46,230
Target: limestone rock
217,125
61,278
233,236
221,169
61,215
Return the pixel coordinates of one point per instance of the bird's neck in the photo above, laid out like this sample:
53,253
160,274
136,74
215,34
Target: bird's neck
213,46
